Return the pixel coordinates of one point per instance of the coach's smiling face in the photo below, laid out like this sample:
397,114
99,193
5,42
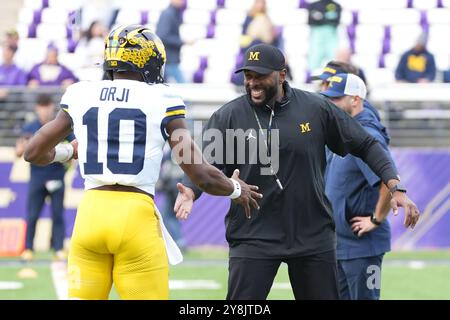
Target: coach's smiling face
264,89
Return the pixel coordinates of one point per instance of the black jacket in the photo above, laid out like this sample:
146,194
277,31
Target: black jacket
297,220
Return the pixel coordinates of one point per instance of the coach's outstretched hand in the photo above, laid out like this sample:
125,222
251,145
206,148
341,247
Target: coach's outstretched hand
248,196
184,201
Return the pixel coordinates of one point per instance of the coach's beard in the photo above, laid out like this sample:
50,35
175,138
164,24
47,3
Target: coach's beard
262,96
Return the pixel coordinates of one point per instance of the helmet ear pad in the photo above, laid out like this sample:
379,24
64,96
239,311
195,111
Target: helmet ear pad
135,48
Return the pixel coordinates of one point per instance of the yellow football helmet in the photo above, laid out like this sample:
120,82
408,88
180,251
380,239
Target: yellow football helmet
135,48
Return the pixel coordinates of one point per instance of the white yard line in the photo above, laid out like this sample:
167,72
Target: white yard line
194,285
10,285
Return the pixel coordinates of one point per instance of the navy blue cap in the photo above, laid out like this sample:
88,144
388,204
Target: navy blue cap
345,84
264,59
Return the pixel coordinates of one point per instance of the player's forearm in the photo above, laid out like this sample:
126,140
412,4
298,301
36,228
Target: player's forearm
37,153
210,179
216,183
40,150
383,206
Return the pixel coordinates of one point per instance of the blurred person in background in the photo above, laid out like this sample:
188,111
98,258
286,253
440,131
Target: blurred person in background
323,18
47,181
11,39
257,28
104,11
359,199
417,65
168,29
90,49
50,72
345,55
334,67
10,73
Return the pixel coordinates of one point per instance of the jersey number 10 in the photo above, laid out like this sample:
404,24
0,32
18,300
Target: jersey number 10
92,165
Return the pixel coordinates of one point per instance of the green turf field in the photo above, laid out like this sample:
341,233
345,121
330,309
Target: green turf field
203,275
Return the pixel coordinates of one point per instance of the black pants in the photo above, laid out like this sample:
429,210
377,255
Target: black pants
311,277
37,192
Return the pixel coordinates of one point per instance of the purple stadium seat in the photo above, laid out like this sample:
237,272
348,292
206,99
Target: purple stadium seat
37,16
355,19
203,62
71,45
303,4
387,32
381,62
386,45
44,3
32,30
308,77
69,32
210,31
213,15
144,17
198,76
351,32
424,19
220,3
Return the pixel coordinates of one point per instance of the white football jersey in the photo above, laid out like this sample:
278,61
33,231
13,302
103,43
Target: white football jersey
120,128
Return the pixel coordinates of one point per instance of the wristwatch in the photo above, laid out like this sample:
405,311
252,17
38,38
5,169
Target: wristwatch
374,220
398,187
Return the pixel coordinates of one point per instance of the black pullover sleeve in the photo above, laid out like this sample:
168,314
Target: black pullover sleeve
345,135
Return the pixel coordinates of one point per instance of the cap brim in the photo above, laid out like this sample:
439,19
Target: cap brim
332,94
260,70
323,77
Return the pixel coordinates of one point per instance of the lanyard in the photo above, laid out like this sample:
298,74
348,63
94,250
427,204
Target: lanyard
268,142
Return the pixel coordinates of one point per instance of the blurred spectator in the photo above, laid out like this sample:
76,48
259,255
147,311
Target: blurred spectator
417,65
47,181
90,50
345,55
257,28
104,11
335,67
170,175
323,18
10,73
50,72
168,29
12,40
446,76
332,68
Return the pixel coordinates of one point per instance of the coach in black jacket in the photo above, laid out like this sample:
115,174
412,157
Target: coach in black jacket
294,223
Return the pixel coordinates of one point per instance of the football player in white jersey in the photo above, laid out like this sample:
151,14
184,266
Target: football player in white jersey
121,126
